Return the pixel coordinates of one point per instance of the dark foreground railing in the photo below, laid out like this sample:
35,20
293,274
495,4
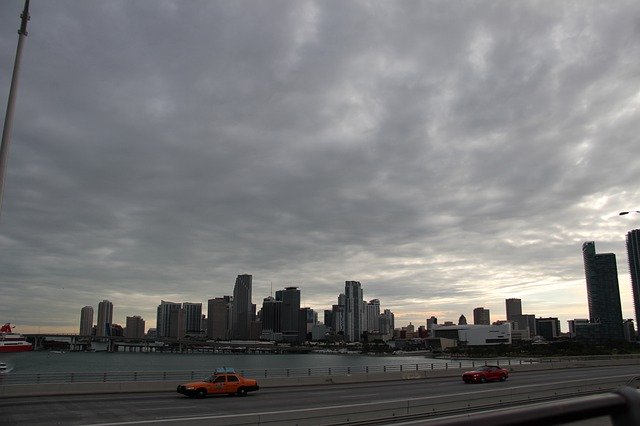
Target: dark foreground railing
622,406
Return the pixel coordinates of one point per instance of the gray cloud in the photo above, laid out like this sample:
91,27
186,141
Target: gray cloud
447,155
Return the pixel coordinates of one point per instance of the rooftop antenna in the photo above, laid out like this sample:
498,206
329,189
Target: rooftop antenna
8,119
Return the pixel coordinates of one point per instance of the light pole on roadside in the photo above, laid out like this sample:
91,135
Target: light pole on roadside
8,119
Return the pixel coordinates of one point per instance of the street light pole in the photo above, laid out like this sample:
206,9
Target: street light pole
8,119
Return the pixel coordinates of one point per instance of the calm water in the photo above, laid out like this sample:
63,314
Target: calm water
41,361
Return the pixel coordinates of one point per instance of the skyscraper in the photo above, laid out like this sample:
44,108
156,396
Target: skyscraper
633,254
86,321
192,317
353,311
373,316
242,307
481,316
271,316
290,299
105,318
603,291
163,319
135,327
514,309
219,318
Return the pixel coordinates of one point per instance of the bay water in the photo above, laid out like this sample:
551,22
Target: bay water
48,362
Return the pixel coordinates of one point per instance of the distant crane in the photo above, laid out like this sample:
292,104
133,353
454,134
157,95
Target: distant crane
8,119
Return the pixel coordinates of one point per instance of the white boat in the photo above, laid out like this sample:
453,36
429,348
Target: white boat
3,367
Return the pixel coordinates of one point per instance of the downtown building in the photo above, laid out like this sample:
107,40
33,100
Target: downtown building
290,318
86,321
135,327
105,319
354,311
481,316
633,255
242,308
603,293
219,318
165,315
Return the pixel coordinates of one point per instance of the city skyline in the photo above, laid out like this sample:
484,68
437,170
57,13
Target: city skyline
446,155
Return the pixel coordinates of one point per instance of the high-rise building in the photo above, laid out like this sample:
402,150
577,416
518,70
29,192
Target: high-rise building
387,322
514,309
242,313
105,318
135,327
219,317
633,255
192,317
290,299
271,316
373,316
86,321
462,320
163,319
603,292
353,311
481,316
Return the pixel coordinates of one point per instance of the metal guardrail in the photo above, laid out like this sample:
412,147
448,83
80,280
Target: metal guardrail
185,375
622,406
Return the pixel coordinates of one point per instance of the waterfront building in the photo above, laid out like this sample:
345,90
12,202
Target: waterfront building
164,316
86,321
373,316
338,316
307,318
603,292
633,256
219,318
328,319
192,317
353,311
387,323
105,318
135,327
474,335
481,316
549,328
290,300
271,319
243,310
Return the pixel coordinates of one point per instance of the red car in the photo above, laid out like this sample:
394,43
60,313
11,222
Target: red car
485,373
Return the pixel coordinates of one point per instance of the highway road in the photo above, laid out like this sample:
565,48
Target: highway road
115,409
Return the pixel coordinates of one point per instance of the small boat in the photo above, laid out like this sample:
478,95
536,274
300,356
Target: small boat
3,367
13,342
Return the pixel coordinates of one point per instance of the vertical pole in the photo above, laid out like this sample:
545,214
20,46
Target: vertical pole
8,119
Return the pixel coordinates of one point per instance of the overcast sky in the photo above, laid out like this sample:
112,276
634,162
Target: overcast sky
446,154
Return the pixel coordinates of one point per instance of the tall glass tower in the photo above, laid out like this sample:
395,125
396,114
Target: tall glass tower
105,318
603,292
242,307
633,253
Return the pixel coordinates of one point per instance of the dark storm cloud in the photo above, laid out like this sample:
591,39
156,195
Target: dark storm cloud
447,155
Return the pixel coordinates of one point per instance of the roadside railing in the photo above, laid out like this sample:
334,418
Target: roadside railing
185,375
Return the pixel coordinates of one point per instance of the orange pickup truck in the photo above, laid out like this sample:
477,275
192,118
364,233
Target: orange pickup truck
225,381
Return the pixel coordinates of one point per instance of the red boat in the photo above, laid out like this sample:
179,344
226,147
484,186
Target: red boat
13,342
